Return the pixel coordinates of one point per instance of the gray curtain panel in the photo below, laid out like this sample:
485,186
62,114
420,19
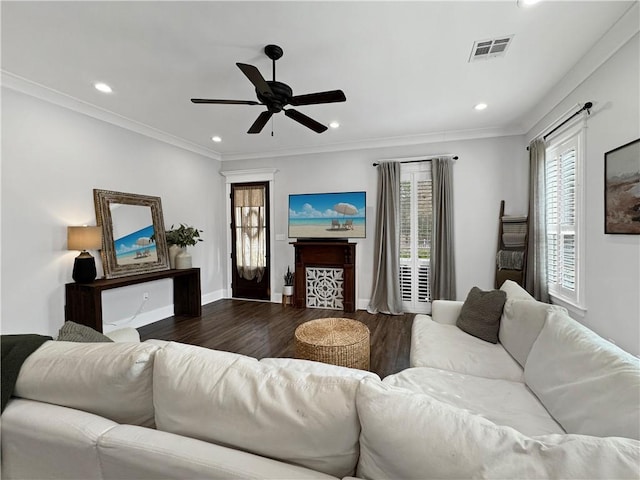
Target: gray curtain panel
443,265
536,275
386,296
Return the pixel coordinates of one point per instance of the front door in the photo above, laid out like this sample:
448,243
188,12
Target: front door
250,267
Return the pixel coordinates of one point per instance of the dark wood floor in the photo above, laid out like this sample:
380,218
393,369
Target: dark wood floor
261,329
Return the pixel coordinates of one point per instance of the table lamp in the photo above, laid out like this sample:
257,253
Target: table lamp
84,238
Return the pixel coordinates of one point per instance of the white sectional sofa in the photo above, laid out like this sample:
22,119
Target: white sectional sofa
551,401
550,381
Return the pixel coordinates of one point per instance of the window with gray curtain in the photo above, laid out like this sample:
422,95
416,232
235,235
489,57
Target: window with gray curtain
443,265
536,280
385,295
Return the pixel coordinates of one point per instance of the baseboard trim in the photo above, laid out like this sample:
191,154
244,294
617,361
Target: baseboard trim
152,316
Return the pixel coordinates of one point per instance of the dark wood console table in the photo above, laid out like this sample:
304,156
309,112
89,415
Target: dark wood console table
340,254
83,301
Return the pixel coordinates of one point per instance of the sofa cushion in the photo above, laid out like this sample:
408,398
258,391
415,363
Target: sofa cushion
40,440
449,348
124,334
446,311
131,452
302,418
480,314
503,402
589,385
513,290
521,323
109,379
74,332
320,368
414,436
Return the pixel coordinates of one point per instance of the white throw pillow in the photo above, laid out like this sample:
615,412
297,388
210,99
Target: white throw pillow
589,385
513,290
298,417
109,379
406,435
520,325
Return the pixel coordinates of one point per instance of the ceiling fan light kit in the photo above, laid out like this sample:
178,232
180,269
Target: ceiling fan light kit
277,95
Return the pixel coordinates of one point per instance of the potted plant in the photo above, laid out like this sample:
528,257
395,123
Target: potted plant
182,237
174,249
288,282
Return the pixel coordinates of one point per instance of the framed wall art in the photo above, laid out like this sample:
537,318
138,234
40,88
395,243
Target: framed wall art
622,189
133,236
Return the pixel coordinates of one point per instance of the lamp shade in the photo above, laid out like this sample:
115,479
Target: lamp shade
84,238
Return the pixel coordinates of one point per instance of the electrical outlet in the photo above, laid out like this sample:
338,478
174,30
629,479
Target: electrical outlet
145,296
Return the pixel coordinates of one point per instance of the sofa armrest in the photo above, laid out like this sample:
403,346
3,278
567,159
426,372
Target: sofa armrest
127,334
446,311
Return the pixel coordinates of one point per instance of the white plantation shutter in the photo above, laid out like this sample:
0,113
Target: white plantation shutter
416,220
553,218
562,207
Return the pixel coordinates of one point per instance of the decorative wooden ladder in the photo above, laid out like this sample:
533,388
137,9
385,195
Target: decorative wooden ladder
511,258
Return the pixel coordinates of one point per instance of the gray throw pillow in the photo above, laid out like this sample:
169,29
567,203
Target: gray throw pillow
74,332
481,312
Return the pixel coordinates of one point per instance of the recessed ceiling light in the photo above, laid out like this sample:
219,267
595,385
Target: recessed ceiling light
102,87
480,106
216,139
334,124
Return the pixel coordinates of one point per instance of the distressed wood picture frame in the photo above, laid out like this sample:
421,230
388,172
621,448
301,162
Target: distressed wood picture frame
133,234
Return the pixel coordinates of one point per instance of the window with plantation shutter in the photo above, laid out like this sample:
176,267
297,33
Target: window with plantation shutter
563,213
416,219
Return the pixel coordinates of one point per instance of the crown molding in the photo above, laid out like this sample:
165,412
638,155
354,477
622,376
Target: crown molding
613,40
389,142
249,175
33,89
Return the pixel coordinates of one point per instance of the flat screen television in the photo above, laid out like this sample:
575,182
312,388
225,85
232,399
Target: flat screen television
328,215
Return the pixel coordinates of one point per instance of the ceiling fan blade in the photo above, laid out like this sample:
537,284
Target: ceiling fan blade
304,120
331,96
255,77
260,122
225,102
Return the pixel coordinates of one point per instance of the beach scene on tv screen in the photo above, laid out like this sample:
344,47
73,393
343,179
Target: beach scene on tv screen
327,215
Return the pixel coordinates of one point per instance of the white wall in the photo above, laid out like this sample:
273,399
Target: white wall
52,159
488,170
612,262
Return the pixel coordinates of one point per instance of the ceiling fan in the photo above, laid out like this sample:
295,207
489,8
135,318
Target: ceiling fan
277,95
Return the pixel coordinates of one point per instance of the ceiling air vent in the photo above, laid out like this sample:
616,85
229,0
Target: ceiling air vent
485,49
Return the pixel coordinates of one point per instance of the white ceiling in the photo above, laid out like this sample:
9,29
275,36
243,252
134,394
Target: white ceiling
403,66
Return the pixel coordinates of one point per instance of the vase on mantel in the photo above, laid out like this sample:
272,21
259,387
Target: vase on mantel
183,259
173,251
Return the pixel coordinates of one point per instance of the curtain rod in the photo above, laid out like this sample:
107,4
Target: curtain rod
426,159
587,106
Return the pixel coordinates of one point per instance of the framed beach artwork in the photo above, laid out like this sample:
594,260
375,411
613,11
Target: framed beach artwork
622,189
133,235
328,215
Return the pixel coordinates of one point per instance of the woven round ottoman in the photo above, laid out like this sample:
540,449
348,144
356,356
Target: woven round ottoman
339,341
